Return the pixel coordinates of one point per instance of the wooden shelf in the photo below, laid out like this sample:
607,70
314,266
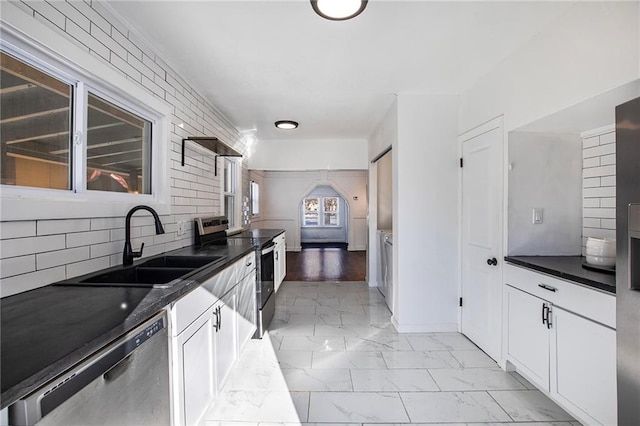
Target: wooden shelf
214,145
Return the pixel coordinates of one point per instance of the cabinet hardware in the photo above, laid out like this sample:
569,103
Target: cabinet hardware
544,313
549,317
548,287
493,261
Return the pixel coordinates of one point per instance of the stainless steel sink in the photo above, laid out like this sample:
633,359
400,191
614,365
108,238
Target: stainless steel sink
159,272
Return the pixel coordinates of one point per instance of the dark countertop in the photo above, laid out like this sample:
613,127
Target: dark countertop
50,329
259,237
569,268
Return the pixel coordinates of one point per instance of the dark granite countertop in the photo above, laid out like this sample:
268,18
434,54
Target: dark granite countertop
569,268
260,237
48,330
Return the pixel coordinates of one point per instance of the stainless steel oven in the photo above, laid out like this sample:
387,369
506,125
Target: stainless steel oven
265,289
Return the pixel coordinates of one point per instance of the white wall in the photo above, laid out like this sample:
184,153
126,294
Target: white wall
425,214
281,194
329,154
384,136
594,47
545,172
38,252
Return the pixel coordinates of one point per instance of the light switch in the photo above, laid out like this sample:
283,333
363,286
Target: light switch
537,215
181,227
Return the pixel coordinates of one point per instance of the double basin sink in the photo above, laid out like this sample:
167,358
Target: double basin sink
157,272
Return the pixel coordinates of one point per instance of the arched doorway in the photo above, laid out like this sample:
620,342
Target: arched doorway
324,217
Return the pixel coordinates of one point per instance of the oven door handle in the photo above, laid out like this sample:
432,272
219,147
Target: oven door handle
267,250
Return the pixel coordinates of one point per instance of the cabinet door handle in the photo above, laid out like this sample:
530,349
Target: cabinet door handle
493,261
219,318
545,308
276,255
548,287
249,263
549,317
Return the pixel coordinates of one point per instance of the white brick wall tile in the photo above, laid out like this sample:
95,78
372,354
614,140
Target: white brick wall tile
119,234
17,265
608,202
591,222
24,282
592,202
24,7
104,38
48,12
122,39
87,40
106,249
31,245
599,151
591,162
608,138
124,66
106,223
606,160
157,69
608,224
108,16
599,192
599,233
590,142
87,238
608,181
149,84
137,64
601,213
49,227
61,257
87,266
72,14
591,182
17,229
599,171
92,15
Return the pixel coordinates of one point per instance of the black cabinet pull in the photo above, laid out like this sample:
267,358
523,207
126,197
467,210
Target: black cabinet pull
493,261
548,287
544,313
549,317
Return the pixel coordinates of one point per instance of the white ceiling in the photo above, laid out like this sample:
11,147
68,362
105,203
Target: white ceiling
262,61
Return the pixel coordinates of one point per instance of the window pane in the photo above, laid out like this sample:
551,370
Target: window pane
118,149
229,209
310,218
35,123
330,204
311,204
331,219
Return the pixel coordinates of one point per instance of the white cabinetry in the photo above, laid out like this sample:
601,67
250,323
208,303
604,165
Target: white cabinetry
280,259
527,338
205,333
561,336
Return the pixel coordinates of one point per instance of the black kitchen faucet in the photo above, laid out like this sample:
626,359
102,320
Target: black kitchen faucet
128,255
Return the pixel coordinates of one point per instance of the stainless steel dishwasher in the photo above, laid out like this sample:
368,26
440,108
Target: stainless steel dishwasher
125,383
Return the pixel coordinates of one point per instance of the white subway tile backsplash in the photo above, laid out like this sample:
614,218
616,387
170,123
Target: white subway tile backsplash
17,229
87,266
106,223
17,265
30,245
49,227
72,14
19,283
61,257
104,38
48,12
87,40
78,239
599,186
106,249
95,17
124,41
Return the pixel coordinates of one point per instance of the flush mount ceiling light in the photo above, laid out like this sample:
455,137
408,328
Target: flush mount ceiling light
338,10
286,124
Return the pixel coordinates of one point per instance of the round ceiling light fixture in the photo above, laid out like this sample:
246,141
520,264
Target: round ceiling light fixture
286,124
338,10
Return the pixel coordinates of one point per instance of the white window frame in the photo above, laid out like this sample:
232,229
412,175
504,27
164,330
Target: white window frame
321,212
234,194
28,40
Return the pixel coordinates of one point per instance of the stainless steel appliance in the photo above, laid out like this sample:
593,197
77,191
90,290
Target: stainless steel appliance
212,230
628,260
125,383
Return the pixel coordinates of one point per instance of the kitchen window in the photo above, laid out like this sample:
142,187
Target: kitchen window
230,190
44,118
320,211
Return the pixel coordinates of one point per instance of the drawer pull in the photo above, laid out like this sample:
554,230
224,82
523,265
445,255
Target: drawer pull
544,313
548,287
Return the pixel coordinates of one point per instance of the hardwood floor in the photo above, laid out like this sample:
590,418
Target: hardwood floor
326,263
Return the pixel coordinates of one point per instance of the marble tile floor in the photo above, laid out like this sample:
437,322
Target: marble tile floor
331,356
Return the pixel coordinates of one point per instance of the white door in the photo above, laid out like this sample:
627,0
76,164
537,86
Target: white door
482,195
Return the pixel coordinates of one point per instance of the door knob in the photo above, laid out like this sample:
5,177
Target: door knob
493,261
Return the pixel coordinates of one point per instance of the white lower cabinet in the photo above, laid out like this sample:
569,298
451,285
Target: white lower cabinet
585,353
225,335
528,339
205,331
559,336
194,350
280,260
